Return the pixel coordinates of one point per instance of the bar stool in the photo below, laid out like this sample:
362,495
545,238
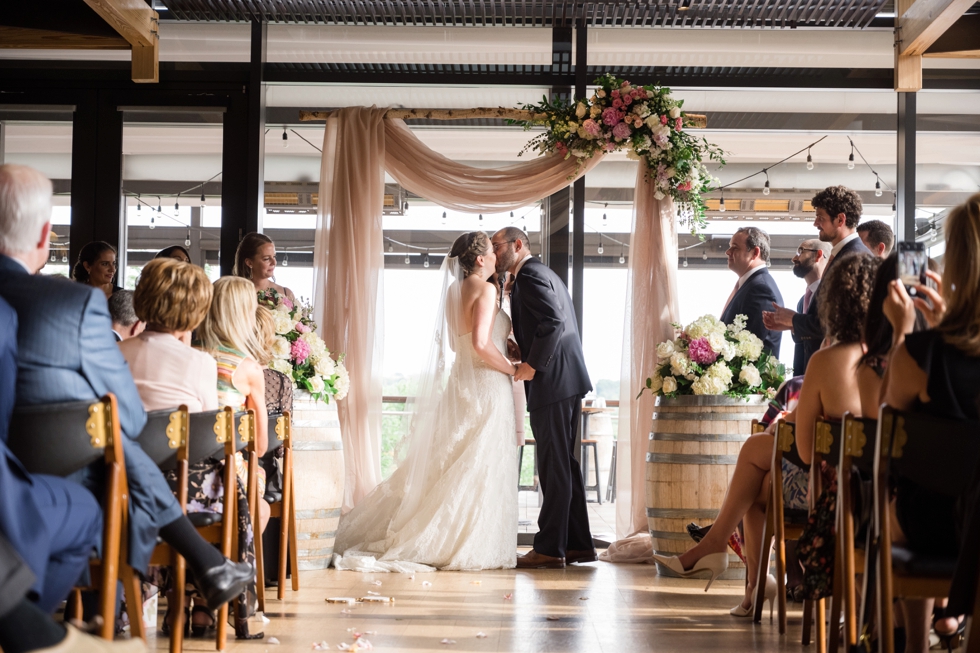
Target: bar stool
597,488
611,485
528,442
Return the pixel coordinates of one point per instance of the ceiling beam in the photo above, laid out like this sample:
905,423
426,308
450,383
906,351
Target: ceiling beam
961,40
908,67
136,22
33,39
925,21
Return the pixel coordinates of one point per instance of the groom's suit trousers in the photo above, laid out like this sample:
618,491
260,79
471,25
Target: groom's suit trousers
563,523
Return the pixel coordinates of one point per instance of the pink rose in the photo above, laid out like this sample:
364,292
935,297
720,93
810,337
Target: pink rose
678,124
685,186
299,351
635,93
663,120
627,100
615,94
610,117
622,131
638,123
302,328
562,149
591,127
617,104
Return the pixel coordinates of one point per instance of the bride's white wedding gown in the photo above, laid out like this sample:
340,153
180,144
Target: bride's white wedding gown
466,518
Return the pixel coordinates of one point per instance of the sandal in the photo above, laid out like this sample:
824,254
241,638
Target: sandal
949,640
168,620
198,629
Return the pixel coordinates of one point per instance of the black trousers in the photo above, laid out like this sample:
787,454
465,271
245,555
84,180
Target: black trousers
563,523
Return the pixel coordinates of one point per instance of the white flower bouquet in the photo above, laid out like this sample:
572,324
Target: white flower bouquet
300,353
710,358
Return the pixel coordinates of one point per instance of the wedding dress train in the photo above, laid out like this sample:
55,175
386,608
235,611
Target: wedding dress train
461,512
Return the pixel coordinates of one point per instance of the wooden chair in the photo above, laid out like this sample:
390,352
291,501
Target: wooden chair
856,454
283,507
826,447
782,525
60,439
165,440
939,455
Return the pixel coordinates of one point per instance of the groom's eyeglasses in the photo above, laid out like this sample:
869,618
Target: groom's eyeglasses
497,246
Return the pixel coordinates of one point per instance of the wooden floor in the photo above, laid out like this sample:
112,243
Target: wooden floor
598,607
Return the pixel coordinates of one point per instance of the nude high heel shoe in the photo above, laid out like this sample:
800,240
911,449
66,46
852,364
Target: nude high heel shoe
713,563
739,611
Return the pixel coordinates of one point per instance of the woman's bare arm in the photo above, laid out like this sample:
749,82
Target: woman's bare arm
810,408
256,401
904,381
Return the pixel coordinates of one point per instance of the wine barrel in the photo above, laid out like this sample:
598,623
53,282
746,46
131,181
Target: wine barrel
694,445
318,479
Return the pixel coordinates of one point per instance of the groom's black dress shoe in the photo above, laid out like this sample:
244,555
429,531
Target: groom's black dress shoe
588,555
534,560
223,583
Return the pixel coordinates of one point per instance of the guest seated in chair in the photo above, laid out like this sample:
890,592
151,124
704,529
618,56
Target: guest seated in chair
938,372
52,523
96,267
830,388
175,252
125,324
66,352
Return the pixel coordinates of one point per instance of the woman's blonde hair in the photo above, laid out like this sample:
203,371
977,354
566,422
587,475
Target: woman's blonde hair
231,320
960,325
265,334
172,294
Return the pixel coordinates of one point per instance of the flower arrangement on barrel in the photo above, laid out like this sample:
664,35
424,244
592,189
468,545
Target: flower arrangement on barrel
648,123
300,353
711,358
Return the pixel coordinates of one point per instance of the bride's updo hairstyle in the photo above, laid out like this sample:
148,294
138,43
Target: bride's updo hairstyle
467,247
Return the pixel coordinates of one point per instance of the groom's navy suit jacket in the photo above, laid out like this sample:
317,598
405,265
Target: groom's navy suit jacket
547,333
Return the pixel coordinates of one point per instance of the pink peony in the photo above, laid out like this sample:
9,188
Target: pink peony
663,120
622,131
701,352
591,127
678,124
300,351
610,117
285,300
302,328
610,147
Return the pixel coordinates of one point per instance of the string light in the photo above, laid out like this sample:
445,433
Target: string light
203,198
177,204
391,248
408,259
877,186
894,201
809,160
622,257
425,260
481,217
850,158
765,189
285,137
704,254
511,214
159,205
684,264
64,257
603,218
285,261
600,244
187,241
444,217
406,206
53,258
152,224
139,204
721,204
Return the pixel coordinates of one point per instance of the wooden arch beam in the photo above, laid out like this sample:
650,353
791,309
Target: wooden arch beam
925,21
136,22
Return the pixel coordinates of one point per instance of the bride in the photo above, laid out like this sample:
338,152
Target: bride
452,502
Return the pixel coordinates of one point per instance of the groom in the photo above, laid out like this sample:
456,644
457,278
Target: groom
555,379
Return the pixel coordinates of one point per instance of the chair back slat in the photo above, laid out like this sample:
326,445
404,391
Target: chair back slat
827,440
859,435
163,435
786,442
938,454
59,439
203,435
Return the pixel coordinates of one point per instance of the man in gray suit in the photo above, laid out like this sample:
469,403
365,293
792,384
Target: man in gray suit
66,352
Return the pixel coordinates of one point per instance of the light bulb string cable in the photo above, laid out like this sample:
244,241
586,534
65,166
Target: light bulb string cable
873,171
765,171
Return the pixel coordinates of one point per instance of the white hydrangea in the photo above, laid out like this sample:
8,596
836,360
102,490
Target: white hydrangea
665,350
281,365
707,384
680,364
704,326
284,324
656,382
280,348
717,341
750,376
670,385
749,345
324,366
317,347
722,372
316,385
728,350
343,381
738,325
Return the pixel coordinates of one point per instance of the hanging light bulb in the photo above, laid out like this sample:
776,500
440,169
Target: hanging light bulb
443,217
64,257
159,205
285,137
600,250
935,233
391,248
53,257
850,159
425,260
408,259
203,198
406,206
512,214
139,204
684,264
152,224
481,217
704,255
285,261
765,189
877,187
721,204
177,205
187,241
603,218
622,259
894,201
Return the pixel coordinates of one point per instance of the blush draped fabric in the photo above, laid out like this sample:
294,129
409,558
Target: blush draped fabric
358,146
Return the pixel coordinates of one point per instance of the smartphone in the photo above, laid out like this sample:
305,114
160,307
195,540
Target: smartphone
912,264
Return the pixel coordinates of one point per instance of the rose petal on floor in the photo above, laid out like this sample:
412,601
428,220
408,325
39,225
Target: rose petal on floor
508,597
426,583
272,640
448,641
481,635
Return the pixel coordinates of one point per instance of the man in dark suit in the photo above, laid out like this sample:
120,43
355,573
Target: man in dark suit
838,211
66,352
808,264
53,524
755,290
553,369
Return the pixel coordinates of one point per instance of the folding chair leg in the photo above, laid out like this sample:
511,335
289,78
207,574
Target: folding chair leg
133,595
111,549
293,556
78,611
835,602
177,609
259,566
807,621
764,557
821,619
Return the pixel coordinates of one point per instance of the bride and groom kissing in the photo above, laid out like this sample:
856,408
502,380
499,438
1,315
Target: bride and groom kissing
452,502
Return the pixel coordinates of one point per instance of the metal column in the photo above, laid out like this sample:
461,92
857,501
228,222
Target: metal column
578,209
905,194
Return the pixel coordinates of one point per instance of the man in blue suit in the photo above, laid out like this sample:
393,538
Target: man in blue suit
66,352
756,290
838,211
52,523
